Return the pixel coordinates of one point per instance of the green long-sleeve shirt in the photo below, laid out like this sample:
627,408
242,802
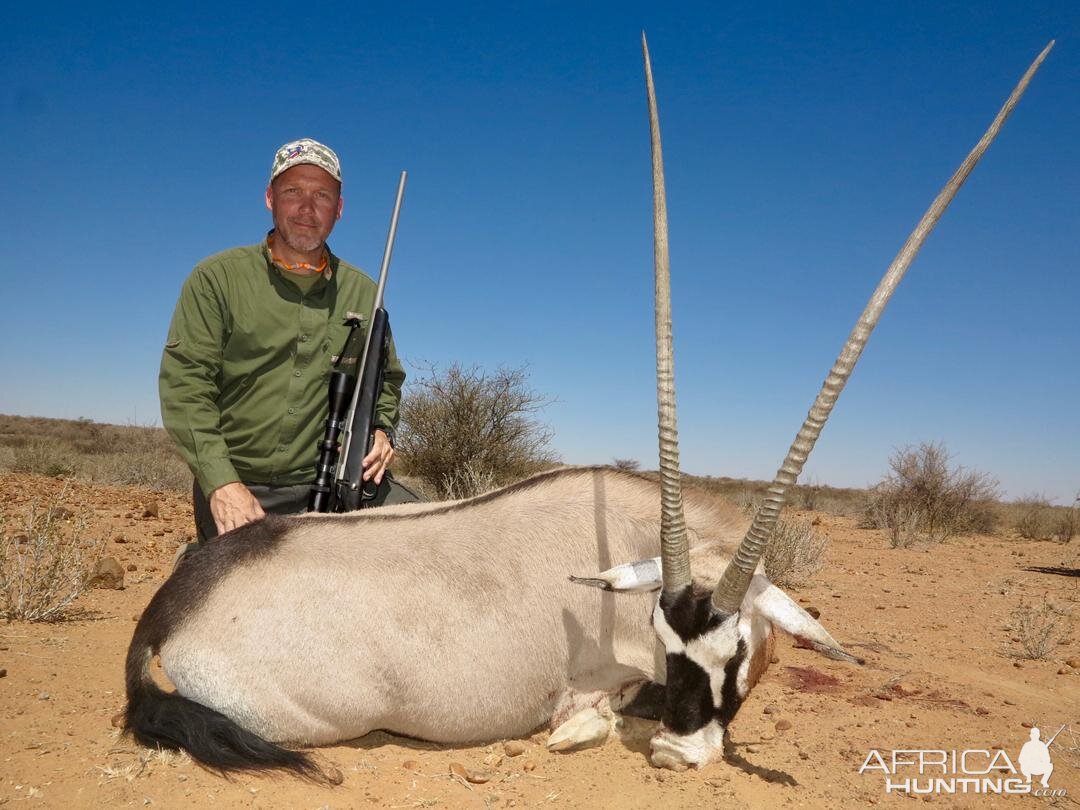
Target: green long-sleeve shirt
244,374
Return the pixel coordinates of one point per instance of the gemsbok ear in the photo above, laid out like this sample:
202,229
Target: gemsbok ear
776,606
636,577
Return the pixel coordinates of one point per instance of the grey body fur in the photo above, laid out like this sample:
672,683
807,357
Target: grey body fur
452,623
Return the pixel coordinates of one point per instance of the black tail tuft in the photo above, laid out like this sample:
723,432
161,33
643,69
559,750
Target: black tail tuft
158,719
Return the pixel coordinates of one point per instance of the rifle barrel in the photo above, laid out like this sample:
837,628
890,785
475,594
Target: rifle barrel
347,433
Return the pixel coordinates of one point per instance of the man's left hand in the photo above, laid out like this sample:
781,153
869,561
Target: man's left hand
376,462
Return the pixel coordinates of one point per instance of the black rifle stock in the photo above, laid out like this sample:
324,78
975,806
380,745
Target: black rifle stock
350,490
339,484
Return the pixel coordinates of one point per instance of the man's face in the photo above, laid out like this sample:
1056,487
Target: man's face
305,202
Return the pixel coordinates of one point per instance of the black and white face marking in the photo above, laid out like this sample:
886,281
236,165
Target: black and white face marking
707,665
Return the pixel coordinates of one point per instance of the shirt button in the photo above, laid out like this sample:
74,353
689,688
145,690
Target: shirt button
297,373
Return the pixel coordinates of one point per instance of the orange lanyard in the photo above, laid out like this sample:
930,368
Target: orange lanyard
298,265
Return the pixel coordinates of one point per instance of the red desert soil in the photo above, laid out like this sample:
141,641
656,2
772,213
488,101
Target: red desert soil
931,623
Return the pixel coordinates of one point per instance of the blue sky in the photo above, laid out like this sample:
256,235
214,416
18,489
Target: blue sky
802,143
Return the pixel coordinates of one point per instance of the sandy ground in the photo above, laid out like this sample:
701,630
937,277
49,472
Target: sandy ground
933,624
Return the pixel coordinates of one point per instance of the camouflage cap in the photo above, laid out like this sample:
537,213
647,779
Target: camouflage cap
306,150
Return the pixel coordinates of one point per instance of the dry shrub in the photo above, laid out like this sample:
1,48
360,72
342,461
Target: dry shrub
627,464
1034,516
1036,631
464,430
43,568
795,553
1066,525
466,480
43,457
924,498
809,495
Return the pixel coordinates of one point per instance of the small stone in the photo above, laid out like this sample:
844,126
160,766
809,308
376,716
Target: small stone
1018,665
119,539
181,777
767,737
493,760
752,749
43,696
410,765
1064,671
158,533
814,612
774,660
1027,724
769,709
528,766
151,509
1073,662
514,748
783,724
107,574
982,710
132,567
117,720
1008,702
3,673
803,755
470,775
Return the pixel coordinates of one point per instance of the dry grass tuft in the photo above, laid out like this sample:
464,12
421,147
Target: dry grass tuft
44,567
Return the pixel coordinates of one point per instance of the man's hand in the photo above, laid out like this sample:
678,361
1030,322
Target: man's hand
232,506
376,462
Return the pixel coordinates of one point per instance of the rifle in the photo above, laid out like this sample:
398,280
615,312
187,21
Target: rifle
339,473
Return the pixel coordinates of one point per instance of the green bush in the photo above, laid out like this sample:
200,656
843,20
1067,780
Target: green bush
464,431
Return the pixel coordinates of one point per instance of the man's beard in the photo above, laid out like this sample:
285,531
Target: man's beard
300,242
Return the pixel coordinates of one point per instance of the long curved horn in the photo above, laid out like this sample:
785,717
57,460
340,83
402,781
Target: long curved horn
732,587
674,548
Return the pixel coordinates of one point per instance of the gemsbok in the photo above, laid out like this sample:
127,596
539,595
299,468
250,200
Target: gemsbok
458,622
